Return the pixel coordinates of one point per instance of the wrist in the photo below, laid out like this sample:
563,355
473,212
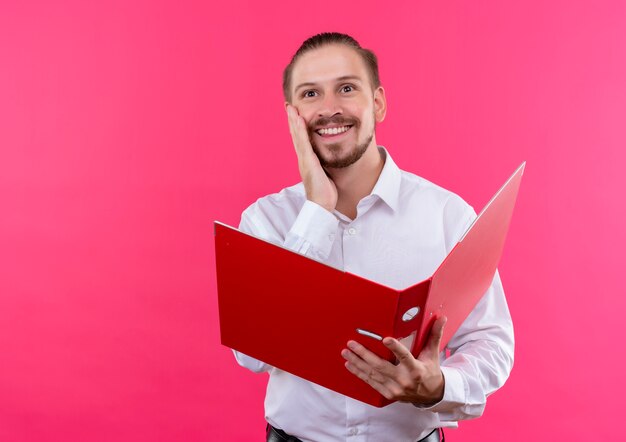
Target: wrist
329,206
435,395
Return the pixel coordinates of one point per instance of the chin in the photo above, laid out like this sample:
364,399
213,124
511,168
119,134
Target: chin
343,158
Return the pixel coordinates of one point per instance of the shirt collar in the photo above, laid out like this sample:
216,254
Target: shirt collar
388,185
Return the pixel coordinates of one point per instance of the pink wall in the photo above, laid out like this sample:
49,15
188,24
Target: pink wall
125,130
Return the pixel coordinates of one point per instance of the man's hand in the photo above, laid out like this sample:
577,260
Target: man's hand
318,186
419,381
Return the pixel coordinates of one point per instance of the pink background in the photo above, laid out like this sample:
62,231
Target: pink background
125,130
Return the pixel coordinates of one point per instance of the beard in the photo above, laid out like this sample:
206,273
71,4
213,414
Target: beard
337,160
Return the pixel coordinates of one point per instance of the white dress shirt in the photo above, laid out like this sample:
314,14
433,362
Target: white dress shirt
402,232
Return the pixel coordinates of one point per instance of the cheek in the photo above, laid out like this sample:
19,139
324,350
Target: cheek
364,111
367,118
307,114
302,108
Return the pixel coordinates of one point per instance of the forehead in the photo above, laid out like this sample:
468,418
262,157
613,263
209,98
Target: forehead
327,63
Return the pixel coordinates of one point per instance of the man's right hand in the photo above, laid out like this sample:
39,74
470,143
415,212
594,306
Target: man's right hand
318,186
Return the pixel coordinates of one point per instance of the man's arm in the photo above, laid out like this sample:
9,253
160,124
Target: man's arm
481,350
481,357
480,362
312,232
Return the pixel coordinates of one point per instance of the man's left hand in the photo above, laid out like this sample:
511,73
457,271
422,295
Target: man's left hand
419,381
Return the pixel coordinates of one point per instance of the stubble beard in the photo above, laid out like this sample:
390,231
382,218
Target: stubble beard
337,161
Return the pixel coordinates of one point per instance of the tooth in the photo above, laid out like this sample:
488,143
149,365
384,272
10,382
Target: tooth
333,130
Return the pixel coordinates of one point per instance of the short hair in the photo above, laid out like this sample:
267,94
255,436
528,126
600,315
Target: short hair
329,38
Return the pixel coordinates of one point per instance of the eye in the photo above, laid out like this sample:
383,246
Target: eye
309,94
347,88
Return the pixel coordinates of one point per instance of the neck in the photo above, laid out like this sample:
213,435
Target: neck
356,181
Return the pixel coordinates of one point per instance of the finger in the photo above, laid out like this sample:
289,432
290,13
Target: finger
403,355
371,358
369,379
291,119
301,135
296,122
431,349
363,366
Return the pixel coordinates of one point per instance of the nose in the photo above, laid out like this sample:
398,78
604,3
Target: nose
329,106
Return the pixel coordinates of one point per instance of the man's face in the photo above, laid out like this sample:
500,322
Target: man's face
331,89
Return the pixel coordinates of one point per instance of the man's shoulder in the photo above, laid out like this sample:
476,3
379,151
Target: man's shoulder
423,199
413,186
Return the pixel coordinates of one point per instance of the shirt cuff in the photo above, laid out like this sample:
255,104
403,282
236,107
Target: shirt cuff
313,232
454,392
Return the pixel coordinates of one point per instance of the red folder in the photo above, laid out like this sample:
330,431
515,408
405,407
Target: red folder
297,314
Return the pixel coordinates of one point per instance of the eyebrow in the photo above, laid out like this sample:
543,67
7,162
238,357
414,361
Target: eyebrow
343,78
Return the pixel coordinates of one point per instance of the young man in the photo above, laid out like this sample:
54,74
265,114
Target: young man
356,210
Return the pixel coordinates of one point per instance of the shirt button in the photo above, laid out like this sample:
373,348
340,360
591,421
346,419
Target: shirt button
331,237
354,431
352,231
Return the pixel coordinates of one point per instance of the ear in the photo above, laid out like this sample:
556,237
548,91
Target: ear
380,104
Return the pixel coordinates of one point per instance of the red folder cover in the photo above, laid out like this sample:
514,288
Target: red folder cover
297,314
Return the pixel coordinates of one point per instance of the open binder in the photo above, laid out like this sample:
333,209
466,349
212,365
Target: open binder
297,314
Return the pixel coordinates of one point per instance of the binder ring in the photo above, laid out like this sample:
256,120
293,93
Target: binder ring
410,314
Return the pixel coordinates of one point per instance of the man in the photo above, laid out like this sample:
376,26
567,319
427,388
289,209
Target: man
356,210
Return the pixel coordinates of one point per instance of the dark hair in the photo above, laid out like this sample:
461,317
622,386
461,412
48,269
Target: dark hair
325,39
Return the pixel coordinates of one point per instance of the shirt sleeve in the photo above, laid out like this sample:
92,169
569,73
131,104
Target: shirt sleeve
481,357
313,232
481,353
312,235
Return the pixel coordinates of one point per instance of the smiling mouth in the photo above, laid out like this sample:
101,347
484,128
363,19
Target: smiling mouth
332,131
